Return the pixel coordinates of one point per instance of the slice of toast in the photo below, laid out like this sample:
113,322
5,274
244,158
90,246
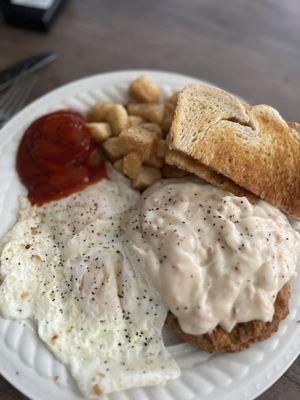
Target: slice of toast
187,163
251,145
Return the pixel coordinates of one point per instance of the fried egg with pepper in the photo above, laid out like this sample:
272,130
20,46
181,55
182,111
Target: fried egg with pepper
65,267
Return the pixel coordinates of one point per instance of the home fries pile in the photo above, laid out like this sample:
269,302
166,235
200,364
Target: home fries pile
133,137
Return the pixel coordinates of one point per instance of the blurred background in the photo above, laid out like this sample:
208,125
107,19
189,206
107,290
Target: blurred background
251,48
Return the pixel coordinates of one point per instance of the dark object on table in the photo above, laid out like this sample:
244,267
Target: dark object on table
31,64
31,14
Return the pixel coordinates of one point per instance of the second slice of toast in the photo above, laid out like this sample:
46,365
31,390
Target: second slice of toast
251,145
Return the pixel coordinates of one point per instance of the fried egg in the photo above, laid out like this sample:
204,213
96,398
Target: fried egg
67,268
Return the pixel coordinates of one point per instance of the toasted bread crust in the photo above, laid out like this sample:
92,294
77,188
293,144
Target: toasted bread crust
252,146
295,126
242,335
187,163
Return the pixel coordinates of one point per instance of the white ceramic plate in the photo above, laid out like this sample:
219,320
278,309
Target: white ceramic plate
30,367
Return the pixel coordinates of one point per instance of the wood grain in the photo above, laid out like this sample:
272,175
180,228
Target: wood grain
249,47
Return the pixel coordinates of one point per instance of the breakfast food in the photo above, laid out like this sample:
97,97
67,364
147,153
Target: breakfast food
178,159
149,111
100,131
119,235
138,140
242,335
114,114
131,164
141,89
58,156
217,260
146,177
113,149
251,145
138,150
65,268
174,160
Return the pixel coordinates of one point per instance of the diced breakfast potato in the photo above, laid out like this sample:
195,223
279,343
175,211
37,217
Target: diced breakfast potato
137,140
161,148
99,130
151,112
135,120
141,89
98,113
151,127
118,165
154,161
146,177
133,137
113,148
132,163
169,112
115,114
118,118
95,158
169,171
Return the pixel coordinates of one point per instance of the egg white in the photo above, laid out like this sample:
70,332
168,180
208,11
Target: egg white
67,267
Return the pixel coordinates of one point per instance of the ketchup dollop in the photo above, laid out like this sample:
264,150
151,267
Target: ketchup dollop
53,157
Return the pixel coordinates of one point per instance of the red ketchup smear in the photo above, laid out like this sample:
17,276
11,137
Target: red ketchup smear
53,156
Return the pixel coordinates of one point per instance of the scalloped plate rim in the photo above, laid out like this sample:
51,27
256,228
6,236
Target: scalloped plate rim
23,382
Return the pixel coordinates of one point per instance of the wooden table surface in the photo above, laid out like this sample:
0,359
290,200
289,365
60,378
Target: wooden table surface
249,47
